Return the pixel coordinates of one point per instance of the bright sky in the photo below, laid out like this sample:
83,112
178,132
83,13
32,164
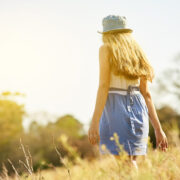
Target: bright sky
49,48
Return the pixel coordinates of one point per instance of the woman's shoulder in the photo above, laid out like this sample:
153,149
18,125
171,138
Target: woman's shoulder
104,52
104,48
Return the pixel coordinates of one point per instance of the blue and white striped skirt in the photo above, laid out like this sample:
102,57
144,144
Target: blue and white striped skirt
126,115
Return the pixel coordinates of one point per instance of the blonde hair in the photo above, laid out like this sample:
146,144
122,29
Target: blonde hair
127,57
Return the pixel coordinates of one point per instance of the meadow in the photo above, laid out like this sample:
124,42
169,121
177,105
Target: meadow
157,165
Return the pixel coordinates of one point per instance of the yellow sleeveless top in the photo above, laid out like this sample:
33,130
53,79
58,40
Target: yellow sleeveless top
122,82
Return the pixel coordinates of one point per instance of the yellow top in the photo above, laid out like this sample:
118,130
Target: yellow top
122,82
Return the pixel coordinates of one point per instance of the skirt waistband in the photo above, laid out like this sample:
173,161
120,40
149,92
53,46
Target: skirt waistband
131,89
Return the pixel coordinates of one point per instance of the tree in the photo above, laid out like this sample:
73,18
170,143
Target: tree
70,125
168,85
11,117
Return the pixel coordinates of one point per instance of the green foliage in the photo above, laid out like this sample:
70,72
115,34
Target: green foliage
11,117
41,141
70,125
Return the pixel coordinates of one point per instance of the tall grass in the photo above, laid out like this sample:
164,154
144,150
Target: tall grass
157,165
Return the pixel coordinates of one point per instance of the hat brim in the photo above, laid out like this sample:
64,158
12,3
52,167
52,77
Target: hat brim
116,30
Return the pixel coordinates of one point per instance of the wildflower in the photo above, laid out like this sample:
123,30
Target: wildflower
103,146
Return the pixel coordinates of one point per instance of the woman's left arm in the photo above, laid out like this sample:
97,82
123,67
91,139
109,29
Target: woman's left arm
104,80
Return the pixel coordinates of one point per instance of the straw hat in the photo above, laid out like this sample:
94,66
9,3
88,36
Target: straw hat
113,23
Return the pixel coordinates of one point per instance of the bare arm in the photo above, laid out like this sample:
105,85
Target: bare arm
160,136
151,108
101,98
104,79
103,83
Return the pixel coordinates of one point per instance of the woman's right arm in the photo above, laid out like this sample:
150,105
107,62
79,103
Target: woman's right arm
161,140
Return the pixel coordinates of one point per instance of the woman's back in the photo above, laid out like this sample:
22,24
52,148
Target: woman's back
120,81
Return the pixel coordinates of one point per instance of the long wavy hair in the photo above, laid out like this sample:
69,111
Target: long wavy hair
127,57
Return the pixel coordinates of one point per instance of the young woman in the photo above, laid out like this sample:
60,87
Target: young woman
123,103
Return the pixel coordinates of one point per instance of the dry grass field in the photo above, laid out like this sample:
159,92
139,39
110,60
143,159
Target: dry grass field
157,165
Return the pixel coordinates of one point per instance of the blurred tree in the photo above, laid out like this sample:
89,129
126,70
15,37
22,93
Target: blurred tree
42,138
168,84
69,125
11,117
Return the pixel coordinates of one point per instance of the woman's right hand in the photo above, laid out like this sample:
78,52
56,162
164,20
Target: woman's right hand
93,133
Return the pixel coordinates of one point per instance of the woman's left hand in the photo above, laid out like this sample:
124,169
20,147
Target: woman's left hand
93,133
161,140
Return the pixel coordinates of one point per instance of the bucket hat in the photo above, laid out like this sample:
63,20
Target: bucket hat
113,23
